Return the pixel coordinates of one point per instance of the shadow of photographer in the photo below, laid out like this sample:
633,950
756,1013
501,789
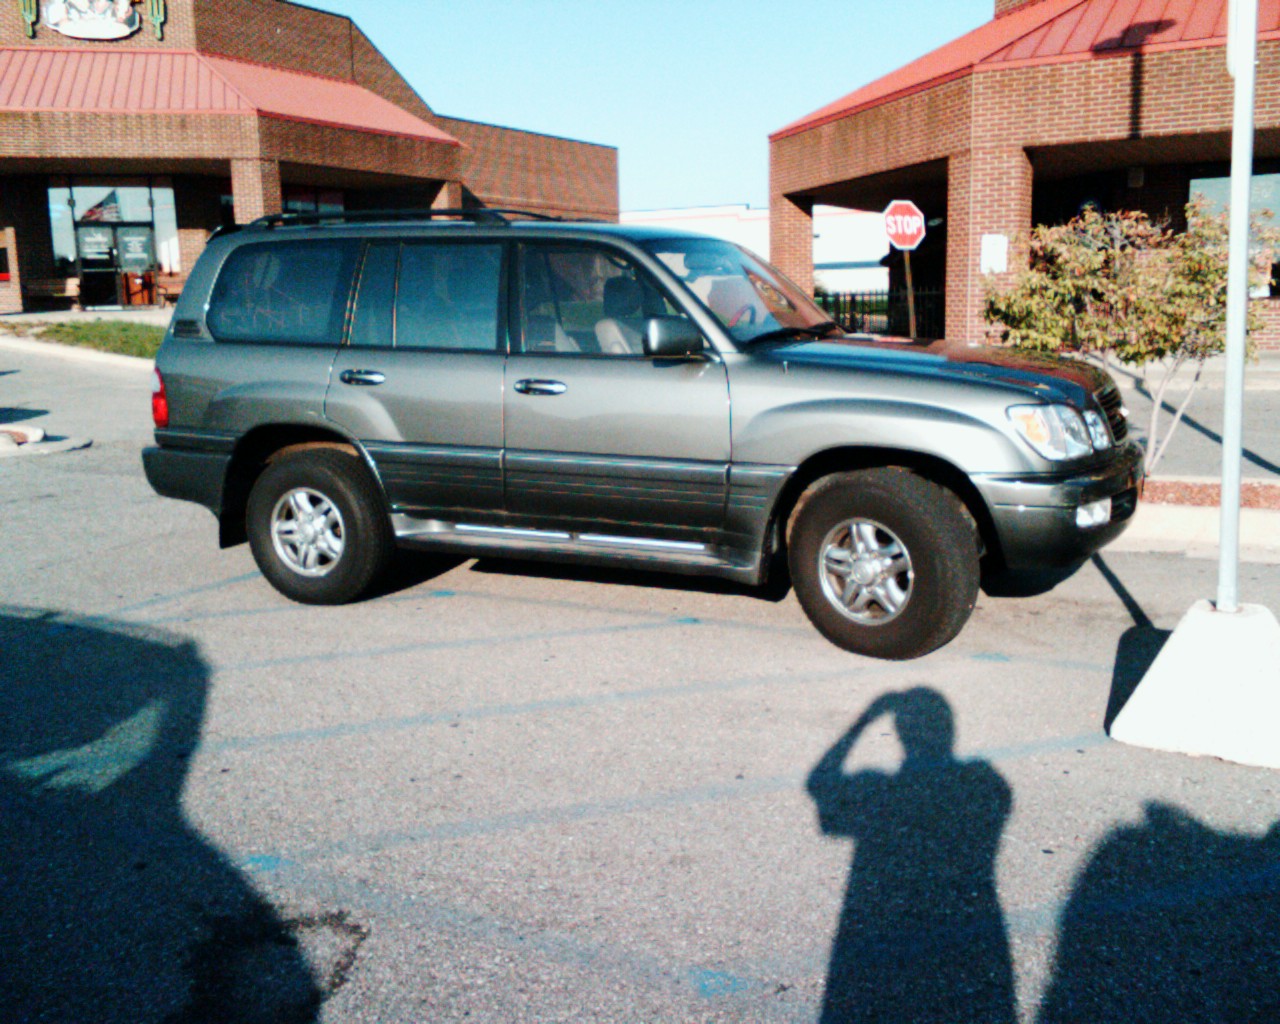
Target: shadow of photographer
921,937
116,908
1171,920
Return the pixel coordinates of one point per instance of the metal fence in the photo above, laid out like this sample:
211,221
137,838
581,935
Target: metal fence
885,312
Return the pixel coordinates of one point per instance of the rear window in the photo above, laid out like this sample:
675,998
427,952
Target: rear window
292,293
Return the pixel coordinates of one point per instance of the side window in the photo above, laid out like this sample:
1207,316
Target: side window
292,293
447,296
374,321
586,300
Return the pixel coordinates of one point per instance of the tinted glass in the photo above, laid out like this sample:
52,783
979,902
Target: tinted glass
587,300
447,297
289,293
747,295
375,302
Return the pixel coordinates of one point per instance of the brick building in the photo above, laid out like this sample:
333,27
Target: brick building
131,129
1053,104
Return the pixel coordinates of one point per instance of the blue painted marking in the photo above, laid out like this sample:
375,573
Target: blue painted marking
711,984
264,863
443,593
689,621
996,656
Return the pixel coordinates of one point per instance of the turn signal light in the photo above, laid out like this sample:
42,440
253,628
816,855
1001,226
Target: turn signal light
159,402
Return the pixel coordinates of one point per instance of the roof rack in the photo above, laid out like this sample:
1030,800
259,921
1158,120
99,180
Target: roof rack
476,215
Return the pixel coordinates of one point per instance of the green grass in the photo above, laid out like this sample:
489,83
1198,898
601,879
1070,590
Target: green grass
119,336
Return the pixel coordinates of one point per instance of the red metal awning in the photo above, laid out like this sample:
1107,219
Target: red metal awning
185,82
1047,32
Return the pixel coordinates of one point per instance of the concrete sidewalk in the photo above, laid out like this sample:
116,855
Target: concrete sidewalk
155,316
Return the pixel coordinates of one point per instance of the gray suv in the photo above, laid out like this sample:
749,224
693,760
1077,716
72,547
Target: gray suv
336,387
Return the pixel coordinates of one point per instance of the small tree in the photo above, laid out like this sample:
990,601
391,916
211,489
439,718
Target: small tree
1119,285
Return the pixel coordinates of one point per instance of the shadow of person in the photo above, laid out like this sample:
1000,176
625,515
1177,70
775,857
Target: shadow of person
115,908
921,935
1171,920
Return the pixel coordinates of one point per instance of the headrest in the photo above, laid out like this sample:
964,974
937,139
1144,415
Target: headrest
622,297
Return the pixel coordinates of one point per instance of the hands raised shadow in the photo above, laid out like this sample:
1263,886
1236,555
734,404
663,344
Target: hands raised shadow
921,936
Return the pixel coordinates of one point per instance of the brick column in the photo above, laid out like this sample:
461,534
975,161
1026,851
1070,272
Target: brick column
988,193
10,290
449,197
255,188
791,239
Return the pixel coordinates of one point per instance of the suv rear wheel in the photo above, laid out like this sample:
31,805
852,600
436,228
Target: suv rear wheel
884,562
316,527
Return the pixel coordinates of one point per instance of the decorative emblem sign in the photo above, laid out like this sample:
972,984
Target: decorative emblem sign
157,15
91,19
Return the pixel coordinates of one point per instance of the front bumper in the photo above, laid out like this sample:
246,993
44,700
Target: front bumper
1035,516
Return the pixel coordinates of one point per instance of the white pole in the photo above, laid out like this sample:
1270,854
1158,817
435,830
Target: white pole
1242,45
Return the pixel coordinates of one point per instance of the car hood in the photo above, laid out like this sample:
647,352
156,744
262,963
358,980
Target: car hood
1046,376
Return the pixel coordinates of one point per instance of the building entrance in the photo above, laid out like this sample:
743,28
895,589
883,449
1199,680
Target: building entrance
117,264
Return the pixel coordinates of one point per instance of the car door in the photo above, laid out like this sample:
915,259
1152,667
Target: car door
419,382
599,435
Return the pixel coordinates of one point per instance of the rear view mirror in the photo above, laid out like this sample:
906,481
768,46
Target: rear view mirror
672,337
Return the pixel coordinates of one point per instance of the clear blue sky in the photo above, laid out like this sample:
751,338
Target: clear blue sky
688,90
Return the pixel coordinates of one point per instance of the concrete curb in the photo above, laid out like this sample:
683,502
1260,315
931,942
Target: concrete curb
73,352
1193,531
49,446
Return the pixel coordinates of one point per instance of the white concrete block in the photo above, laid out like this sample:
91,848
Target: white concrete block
1214,689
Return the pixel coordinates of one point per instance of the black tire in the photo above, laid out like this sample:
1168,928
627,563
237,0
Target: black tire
912,560
321,507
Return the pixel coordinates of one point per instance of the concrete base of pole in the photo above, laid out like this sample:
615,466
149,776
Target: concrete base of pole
1214,689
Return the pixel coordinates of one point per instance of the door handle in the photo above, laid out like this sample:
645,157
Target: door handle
540,387
367,377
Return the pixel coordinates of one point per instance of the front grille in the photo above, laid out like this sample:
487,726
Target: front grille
1108,397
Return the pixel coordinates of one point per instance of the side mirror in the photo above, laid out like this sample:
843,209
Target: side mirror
672,337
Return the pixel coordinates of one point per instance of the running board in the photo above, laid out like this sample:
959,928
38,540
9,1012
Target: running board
603,548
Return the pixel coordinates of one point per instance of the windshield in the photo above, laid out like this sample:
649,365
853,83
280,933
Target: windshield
748,297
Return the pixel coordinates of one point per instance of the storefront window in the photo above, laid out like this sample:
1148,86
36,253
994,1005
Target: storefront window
146,239
298,199
1264,207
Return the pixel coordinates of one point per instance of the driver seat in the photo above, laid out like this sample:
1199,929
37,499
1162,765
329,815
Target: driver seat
621,332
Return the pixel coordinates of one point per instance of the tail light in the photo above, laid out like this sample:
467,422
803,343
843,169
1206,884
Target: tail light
159,402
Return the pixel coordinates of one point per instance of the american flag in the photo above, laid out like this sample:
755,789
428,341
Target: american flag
106,210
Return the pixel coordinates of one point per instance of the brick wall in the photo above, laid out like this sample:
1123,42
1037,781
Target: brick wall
327,147
1165,107
1268,337
1005,6
542,173
277,33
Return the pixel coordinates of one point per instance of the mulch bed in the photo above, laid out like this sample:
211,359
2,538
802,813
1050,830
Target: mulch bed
1253,493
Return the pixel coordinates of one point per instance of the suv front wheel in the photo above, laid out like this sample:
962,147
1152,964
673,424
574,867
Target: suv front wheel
316,527
884,562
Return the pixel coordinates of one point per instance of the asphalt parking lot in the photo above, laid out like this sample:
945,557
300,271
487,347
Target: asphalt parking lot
509,792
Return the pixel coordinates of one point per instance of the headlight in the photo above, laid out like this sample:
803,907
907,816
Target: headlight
1055,431
1099,433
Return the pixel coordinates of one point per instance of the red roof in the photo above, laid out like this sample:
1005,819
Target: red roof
1047,32
184,82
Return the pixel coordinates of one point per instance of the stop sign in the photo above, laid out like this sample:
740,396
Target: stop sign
904,224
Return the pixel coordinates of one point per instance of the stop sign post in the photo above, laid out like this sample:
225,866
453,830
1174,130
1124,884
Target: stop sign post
904,225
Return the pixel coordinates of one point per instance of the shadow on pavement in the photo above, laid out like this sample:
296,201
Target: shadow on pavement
1139,645
775,590
1249,456
18,415
1171,920
116,908
1025,583
921,937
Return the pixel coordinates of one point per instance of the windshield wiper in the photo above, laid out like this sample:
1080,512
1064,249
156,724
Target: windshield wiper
822,330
